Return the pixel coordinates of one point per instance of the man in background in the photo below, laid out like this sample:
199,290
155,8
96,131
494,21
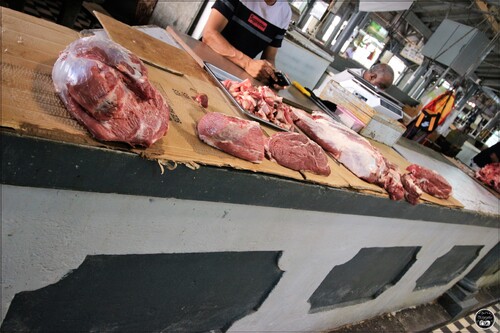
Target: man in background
380,75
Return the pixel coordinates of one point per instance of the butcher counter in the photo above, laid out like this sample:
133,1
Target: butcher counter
102,237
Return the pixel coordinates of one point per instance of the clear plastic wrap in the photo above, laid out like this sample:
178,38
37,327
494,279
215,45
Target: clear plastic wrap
106,88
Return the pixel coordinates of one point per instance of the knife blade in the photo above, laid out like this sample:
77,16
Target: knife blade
309,93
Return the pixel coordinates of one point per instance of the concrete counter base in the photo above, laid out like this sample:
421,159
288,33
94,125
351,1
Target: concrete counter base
94,239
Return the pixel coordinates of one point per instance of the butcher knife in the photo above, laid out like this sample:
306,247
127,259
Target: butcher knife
309,93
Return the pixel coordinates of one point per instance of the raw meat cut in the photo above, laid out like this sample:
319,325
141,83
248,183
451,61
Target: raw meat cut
238,137
412,191
202,99
261,101
106,88
351,149
430,181
391,181
490,175
297,152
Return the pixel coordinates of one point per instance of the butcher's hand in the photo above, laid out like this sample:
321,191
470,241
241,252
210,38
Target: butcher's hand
261,70
278,87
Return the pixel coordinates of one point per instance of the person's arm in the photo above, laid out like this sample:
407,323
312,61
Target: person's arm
494,158
259,69
269,54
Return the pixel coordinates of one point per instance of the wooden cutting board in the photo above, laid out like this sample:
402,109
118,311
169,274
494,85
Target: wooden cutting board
149,48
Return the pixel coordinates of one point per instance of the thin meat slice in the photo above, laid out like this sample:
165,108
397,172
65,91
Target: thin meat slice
297,152
350,149
412,191
238,137
106,88
430,181
201,99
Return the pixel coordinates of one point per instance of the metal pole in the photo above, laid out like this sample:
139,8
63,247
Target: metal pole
442,77
415,76
305,15
427,79
337,28
357,18
325,25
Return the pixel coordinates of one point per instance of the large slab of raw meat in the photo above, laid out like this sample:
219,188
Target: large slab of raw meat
297,152
238,137
430,181
106,88
352,150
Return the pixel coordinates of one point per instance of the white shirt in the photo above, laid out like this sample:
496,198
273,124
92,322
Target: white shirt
278,14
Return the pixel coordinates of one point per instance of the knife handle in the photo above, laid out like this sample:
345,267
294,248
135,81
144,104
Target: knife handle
301,88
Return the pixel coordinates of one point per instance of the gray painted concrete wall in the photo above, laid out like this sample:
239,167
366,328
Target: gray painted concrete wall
178,14
47,233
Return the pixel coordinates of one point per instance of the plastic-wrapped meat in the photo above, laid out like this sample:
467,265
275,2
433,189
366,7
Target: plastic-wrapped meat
297,152
238,137
490,175
106,88
430,181
352,150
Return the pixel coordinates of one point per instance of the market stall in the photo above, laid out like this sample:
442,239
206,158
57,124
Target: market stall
182,236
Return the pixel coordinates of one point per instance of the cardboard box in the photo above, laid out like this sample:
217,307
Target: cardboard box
360,117
383,129
349,119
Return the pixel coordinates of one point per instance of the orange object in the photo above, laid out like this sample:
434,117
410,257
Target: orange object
436,111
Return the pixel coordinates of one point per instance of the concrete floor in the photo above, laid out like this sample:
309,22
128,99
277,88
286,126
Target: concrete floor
428,318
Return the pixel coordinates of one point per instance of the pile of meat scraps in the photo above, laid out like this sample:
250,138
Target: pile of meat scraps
106,88
261,101
490,175
365,161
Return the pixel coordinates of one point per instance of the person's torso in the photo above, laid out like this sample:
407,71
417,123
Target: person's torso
253,26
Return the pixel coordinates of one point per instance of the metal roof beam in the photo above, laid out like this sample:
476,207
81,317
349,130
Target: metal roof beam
490,83
416,23
471,16
487,75
495,26
438,7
